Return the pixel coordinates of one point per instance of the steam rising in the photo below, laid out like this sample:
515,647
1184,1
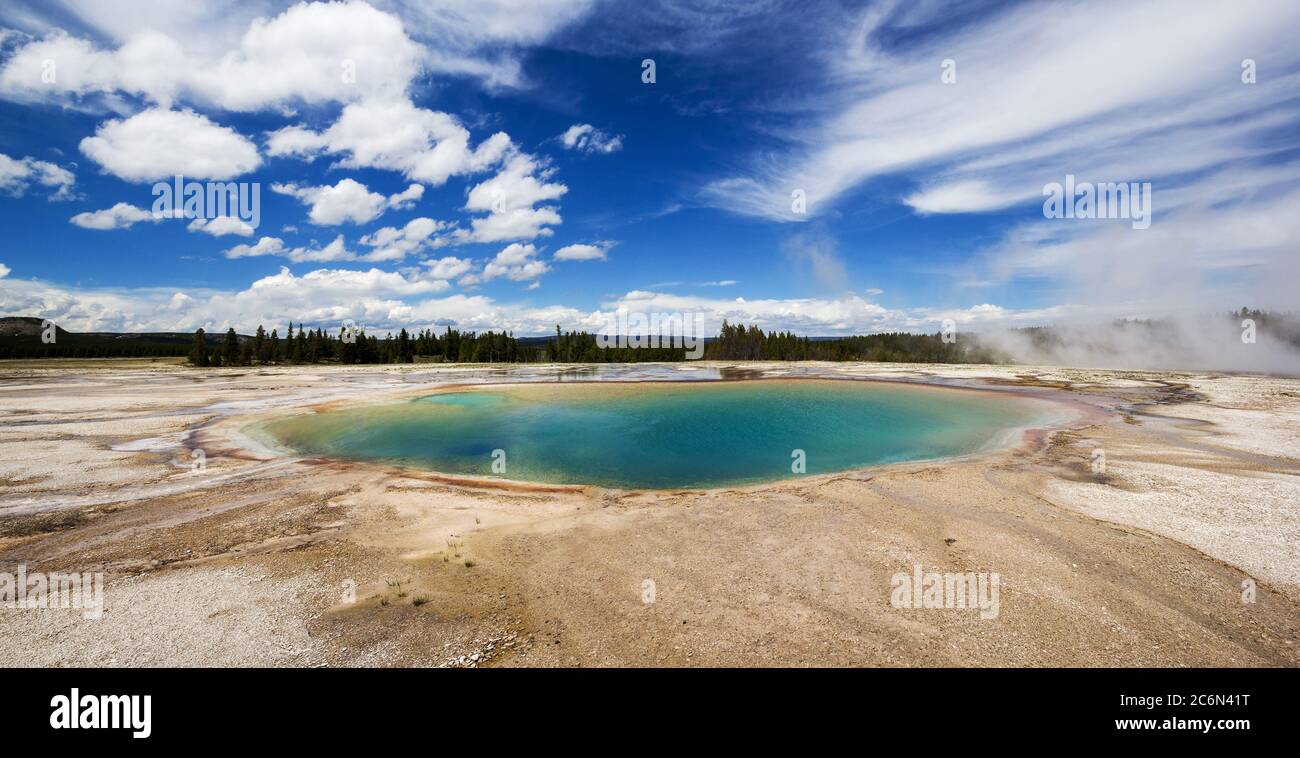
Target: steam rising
1207,342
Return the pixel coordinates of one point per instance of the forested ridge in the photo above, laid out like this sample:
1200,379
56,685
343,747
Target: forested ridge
22,338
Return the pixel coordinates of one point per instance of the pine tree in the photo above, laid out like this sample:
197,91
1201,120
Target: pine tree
259,344
230,348
199,349
405,349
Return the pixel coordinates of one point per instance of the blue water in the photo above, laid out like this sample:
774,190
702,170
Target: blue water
661,435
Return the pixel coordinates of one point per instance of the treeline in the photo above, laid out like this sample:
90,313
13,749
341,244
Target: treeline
583,347
737,342
453,346
354,347
21,338
1048,340
1283,326
34,348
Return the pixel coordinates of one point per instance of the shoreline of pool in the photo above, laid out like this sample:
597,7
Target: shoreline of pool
1064,413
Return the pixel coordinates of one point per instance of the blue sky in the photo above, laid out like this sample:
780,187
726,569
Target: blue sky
923,179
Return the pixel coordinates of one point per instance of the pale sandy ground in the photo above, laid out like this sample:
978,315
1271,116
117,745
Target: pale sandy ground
256,558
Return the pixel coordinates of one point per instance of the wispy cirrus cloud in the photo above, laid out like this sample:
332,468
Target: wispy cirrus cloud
1199,99
1031,100
17,175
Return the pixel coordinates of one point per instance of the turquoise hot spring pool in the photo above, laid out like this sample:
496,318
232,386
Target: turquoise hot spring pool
664,434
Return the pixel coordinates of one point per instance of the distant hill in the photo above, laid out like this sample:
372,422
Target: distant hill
23,326
20,337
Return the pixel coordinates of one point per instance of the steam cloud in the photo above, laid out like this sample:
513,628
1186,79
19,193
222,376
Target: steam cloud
1208,342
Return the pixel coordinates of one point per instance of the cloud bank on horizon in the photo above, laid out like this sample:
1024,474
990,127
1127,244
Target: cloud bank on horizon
838,167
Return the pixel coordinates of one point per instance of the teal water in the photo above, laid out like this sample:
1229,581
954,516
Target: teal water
662,435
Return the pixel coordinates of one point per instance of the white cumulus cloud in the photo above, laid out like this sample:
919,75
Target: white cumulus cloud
583,252
336,250
221,226
588,139
509,198
393,244
423,145
160,144
310,53
264,246
348,201
517,262
120,216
